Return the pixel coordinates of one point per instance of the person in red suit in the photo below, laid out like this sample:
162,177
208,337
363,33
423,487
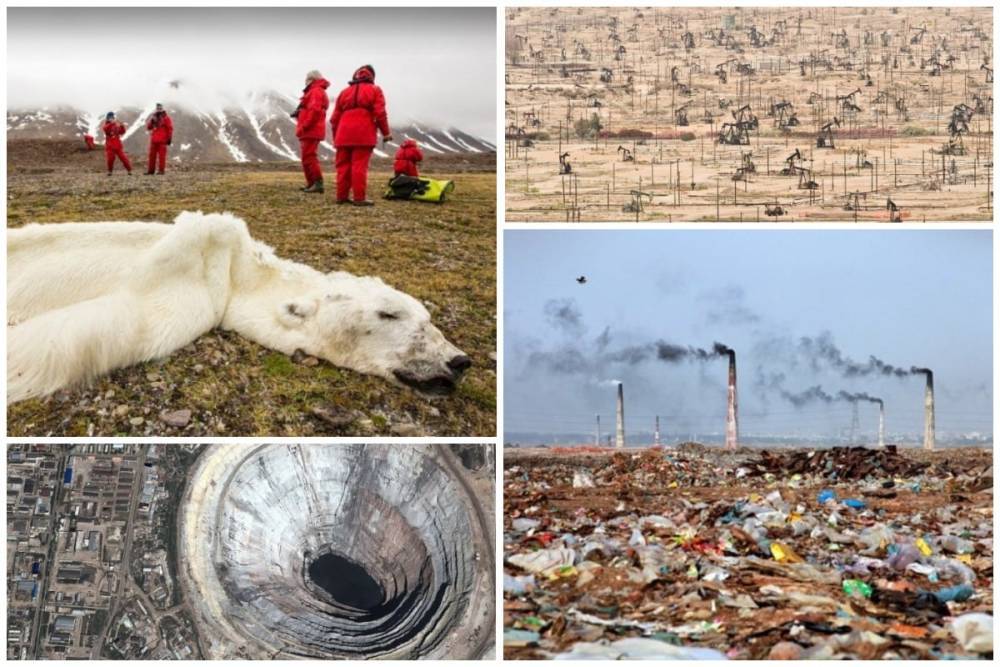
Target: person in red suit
88,139
358,113
161,133
407,157
113,132
310,128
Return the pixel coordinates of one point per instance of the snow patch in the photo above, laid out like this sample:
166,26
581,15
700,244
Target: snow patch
425,145
284,152
450,149
458,141
237,154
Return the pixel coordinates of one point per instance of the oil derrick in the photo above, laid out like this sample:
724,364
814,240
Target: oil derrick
721,70
895,215
825,138
757,38
626,154
847,104
680,114
737,133
635,205
564,165
961,114
791,164
806,181
784,113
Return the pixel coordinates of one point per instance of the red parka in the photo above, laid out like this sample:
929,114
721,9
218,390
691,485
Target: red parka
359,110
113,132
407,157
311,120
161,128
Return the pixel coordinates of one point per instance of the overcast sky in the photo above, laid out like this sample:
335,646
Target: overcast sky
908,297
436,65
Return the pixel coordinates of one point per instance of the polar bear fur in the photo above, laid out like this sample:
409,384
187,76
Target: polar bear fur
84,299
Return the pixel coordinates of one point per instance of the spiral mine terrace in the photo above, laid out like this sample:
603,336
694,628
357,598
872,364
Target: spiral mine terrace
336,551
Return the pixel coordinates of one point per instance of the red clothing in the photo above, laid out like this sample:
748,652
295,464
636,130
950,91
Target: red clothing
352,171
160,127
359,111
310,122
113,132
157,152
310,162
407,157
89,140
110,153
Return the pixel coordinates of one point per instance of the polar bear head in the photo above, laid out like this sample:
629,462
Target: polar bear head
363,324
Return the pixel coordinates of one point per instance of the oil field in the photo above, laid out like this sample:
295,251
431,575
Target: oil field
761,114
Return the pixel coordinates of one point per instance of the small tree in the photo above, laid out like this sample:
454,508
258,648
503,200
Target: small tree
587,129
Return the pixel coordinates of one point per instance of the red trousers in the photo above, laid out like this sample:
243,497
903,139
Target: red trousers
352,171
89,140
310,163
157,151
119,152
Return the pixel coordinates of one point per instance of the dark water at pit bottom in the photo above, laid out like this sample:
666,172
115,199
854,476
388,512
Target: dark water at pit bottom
347,582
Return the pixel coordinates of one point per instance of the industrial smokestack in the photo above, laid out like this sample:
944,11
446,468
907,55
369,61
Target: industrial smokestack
620,431
656,432
855,422
732,423
929,410
881,425
597,437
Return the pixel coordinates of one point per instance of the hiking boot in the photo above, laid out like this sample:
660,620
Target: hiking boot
109,173
150,173
364,202
159,173
315,188
343,201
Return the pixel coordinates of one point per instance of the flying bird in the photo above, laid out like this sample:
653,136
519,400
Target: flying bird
582,280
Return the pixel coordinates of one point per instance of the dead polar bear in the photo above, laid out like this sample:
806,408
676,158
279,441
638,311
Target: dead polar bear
84,299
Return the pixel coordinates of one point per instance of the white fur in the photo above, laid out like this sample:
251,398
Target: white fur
84,299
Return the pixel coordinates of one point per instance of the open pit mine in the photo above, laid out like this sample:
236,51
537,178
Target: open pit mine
340,551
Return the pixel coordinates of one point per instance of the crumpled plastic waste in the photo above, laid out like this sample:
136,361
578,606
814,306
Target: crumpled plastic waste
670,549
637,648
974,632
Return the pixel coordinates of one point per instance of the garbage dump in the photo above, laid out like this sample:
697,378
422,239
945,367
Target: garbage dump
698,553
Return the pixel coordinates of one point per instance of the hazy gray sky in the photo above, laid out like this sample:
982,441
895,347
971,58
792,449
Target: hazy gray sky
908,297
437,65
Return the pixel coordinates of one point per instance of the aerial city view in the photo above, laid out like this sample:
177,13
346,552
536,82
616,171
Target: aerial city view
171,551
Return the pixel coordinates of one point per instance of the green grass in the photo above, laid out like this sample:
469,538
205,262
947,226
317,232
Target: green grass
443,255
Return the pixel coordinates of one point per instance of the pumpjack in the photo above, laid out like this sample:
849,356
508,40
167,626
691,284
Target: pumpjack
680,115
791,165
774,211
895,215
626,154
846,102
989,72
636,203
825,138
564,165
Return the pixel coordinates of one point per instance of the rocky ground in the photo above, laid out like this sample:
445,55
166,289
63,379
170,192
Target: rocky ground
444,255
696,552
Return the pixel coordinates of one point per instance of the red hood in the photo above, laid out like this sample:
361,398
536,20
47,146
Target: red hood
322,83
409,143
363,75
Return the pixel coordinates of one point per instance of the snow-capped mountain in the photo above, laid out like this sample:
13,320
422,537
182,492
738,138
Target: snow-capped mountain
257,128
